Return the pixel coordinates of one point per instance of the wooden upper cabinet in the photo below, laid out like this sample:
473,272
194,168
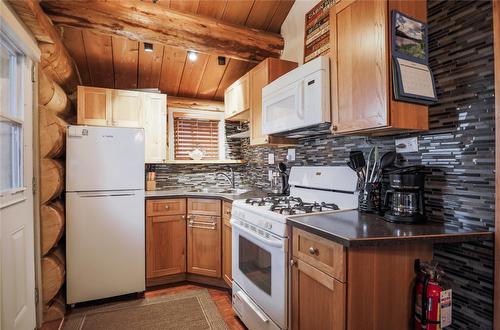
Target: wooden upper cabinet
236,99
122,108
264,73
155,127
361,69
126,108
94,106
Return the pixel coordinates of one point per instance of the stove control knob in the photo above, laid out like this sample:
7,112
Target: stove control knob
268,225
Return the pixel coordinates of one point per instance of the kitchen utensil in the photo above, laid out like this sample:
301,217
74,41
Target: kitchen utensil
357,159
285,187
386,160
376,164
368,163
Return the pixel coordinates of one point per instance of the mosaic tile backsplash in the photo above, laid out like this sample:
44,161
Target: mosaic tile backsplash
458,152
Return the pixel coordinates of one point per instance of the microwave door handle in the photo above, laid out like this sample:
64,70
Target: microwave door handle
262,239
300,99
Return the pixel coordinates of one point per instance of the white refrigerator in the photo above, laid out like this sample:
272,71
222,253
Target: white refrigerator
105,239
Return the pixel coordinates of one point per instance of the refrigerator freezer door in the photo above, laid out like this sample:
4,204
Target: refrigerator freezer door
105,253
104,158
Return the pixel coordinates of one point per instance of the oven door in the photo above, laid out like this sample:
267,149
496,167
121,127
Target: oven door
259,269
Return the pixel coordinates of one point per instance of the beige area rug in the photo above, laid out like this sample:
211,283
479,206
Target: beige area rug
186,310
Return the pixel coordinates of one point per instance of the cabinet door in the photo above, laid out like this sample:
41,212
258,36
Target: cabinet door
237,97
155,127
126,110
226,244
258,79
318,300
204,245
165,245
94,106
360,30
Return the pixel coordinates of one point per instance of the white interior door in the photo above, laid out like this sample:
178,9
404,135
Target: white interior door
17,263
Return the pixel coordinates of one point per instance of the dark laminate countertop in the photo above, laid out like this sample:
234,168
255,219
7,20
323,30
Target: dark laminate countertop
184,192
352,228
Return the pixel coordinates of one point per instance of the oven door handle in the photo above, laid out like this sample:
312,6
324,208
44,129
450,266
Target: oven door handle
262,239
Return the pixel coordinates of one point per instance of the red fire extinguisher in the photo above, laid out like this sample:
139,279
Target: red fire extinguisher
433,304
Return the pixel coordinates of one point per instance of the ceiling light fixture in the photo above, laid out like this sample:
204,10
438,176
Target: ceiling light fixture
148,47
221,60
192,55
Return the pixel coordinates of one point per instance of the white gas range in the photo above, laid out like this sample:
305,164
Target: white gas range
260,240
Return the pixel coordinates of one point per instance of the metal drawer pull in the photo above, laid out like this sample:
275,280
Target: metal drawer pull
313,250
192,222
202,227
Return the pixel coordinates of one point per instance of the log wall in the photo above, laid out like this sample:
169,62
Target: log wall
55,113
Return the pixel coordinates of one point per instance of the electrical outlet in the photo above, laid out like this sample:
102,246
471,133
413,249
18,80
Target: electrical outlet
407,145
270,159
290,155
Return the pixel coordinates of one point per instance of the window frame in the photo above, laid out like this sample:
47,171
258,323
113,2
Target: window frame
20,69
201,114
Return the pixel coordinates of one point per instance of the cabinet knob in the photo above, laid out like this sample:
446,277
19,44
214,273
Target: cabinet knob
313,250
166,206
334,128
183,217
292,263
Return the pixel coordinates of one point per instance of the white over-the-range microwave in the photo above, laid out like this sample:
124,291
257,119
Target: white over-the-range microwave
298,103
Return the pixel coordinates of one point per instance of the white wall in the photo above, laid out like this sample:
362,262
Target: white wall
292,30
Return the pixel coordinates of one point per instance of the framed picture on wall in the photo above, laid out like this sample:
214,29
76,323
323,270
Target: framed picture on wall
317,30
413,79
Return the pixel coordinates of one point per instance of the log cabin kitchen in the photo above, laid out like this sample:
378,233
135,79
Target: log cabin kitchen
249,164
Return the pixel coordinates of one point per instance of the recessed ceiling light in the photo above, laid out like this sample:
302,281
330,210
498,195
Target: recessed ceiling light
148,47
192,55
221,60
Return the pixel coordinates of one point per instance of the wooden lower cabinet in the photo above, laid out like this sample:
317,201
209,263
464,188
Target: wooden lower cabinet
188,239
166,245
364,287
226,244
204,245
165,237
318,300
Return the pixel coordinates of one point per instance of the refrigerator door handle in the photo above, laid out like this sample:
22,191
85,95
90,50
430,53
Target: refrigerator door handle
130,194
94,195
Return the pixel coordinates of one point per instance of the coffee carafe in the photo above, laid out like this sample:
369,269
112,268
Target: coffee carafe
404,201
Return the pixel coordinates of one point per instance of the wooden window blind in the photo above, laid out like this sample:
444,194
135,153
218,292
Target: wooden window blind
192,133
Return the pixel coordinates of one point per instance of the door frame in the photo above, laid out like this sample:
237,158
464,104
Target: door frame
496,274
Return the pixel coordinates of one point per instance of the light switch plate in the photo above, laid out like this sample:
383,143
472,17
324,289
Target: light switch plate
270,175
407,145
270,159
291,155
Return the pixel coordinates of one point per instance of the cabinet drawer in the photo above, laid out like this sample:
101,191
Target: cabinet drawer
226,211
204,206
319,252
165,207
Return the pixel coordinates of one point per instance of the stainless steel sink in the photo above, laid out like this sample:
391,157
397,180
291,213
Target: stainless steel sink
208,190
232,191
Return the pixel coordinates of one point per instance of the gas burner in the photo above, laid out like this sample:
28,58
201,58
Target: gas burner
322,207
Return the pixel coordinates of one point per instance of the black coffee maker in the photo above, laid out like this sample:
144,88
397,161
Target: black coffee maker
404,201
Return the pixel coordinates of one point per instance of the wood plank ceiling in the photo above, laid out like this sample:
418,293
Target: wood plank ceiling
116,62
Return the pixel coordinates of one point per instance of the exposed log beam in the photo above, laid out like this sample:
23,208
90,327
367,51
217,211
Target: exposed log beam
55,59
195,104
148,22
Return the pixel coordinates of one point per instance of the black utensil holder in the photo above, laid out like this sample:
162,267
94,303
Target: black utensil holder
369,198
